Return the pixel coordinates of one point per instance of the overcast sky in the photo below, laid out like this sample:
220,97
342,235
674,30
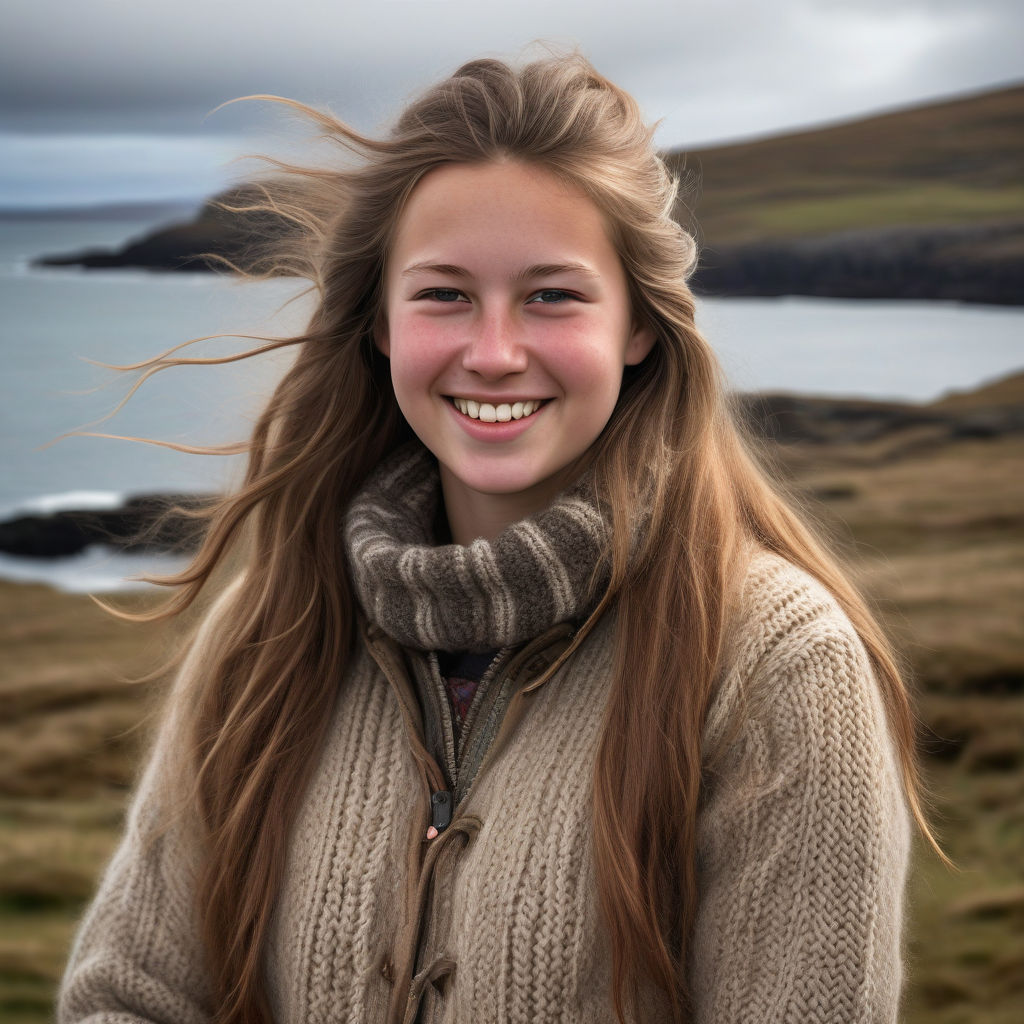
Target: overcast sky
107,99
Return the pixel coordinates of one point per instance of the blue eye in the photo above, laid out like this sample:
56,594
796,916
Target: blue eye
550,296
443,294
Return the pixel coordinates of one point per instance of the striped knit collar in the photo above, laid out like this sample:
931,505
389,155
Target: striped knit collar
489,594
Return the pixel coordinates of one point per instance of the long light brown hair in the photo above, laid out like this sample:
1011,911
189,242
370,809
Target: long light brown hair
257,717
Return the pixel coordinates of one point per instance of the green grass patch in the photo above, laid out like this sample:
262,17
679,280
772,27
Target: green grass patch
901,203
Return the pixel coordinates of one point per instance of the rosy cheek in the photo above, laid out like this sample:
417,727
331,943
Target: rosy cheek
420,341
581,359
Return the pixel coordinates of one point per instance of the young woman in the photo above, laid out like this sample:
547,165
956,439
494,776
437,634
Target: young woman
532,698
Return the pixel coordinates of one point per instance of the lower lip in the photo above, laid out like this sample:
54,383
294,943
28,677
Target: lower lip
496,432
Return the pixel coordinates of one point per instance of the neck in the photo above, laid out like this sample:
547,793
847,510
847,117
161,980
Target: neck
474,515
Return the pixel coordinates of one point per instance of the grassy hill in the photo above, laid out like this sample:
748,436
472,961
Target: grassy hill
955,162
1006,391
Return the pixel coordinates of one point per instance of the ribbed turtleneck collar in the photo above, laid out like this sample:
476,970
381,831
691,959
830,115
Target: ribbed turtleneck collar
467,598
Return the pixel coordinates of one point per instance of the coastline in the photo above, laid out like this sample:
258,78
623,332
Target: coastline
87,539
973,263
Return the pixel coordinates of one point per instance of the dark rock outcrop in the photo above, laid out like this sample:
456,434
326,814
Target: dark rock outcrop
965,263
803,419
214,235
144,523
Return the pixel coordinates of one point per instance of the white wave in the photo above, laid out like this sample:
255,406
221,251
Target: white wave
97,570
45,504
117,275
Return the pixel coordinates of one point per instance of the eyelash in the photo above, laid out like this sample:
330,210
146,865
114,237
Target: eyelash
432,293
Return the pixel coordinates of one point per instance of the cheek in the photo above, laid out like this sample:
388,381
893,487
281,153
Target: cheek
420,349
591,371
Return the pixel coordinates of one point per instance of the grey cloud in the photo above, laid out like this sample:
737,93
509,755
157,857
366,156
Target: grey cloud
711,71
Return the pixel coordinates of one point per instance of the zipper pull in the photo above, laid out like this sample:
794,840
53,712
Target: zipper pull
440,813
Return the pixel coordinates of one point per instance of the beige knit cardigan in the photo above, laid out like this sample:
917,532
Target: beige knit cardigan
803,850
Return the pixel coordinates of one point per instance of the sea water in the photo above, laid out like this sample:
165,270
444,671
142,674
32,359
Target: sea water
53,320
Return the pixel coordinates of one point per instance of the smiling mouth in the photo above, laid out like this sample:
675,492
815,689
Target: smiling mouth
503,413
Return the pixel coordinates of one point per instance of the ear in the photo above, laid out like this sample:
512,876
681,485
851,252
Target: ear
382,336
640,343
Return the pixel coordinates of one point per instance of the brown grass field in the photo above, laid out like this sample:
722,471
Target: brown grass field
935,531
939,542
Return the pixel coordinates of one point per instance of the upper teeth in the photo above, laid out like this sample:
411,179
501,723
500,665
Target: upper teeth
495,413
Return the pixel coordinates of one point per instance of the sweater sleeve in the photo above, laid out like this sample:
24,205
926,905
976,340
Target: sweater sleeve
803,844
137,954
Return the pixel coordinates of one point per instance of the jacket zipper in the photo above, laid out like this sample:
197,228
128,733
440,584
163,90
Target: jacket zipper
444,804
433,777
521,662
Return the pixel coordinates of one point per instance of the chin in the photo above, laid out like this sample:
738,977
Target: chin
501,484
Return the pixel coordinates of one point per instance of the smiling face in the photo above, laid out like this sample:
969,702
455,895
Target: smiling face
507,322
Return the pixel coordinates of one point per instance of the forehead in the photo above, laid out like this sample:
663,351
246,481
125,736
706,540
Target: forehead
504,212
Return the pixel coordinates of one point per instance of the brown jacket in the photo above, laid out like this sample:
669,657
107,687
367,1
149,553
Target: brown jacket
803,849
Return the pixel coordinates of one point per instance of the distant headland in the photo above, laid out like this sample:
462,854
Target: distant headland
923,203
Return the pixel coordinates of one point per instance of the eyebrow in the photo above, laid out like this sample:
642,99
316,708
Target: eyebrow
526,274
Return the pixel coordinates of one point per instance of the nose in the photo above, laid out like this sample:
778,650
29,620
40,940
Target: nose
494,350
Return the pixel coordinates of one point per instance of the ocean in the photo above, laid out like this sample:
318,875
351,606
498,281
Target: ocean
54,320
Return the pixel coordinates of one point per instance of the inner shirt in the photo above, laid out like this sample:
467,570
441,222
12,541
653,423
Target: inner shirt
462,672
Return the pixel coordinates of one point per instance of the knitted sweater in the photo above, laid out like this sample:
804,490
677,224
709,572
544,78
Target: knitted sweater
803,835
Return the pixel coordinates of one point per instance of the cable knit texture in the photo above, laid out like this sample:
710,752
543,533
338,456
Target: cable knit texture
802,847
